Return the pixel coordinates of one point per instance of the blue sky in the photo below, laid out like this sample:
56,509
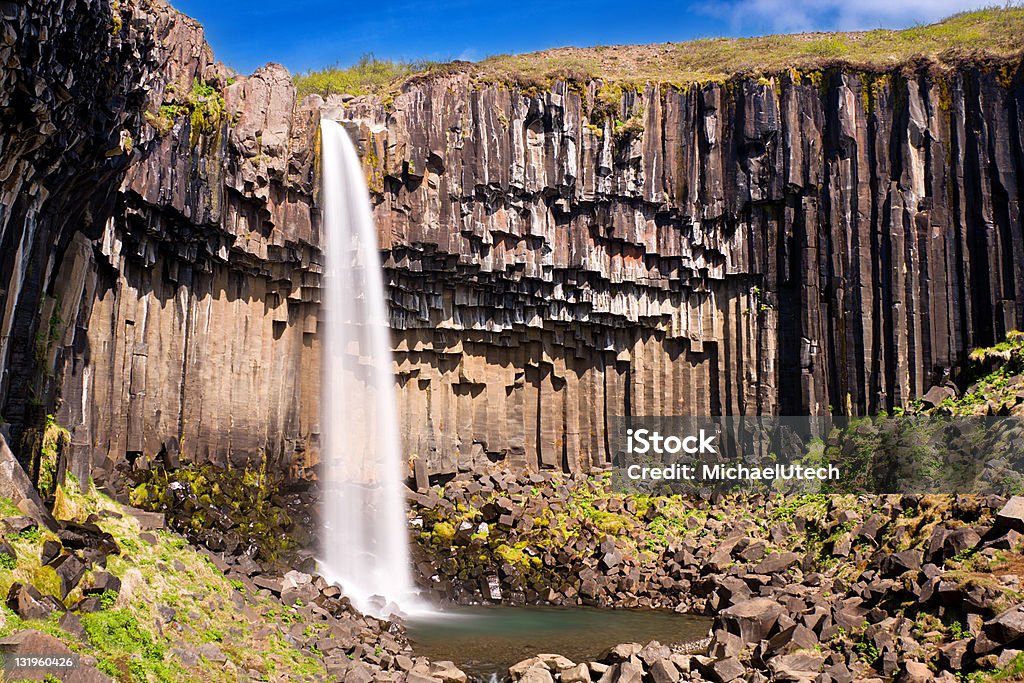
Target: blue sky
305,34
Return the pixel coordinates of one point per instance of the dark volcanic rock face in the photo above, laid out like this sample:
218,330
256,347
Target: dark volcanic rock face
803,244
797,244
157,279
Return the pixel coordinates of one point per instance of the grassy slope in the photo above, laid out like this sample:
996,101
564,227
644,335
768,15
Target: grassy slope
984,34
130,638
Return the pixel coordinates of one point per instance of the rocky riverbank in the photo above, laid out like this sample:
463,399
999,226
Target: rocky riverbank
139,603
843,587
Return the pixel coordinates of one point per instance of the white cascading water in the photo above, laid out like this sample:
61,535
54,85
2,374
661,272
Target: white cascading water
365,539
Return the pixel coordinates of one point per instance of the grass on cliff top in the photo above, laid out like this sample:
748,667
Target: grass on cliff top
988,33
133,637
369,75
995,33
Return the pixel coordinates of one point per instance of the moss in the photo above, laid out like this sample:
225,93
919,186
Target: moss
8,508
116,22
628,130
244,494
1006,75
517,555
124,637
872,87
207,110
945,97
53,441
165,118
203,106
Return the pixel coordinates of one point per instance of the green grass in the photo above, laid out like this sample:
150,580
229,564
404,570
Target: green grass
992,368
990,32
994,33
9,509
123,644
367,76
124,635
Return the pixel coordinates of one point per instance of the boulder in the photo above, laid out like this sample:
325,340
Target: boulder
32,642
25,601
212,653
936,395
447,672
952,654
751,620
536,675
777,562
71,623
722,670
148,521
1007,627
8,550
1011,515
915,672
50,552
103,582
629,672
661,671
804,665
16,487
620,652
70,569
898,563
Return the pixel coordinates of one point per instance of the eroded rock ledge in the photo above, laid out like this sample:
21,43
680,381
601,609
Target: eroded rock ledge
808,242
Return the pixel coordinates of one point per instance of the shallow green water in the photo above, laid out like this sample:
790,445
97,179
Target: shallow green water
485,640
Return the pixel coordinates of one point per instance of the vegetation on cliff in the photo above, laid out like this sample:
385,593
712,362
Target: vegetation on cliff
988,34
369,75
203,105
996,379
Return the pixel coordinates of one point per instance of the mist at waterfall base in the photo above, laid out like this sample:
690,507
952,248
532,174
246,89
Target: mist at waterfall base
365,543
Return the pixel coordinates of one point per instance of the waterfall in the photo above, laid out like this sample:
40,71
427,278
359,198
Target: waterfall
364,545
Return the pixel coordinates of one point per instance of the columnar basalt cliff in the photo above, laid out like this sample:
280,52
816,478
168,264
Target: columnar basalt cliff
806,242
158,264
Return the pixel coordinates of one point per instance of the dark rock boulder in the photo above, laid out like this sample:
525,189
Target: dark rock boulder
1011,515
1007,627
103,582
70,569
25,601
777,562
751,620
7,550
32,642
50,552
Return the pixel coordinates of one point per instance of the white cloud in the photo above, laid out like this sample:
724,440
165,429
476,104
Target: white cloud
786,16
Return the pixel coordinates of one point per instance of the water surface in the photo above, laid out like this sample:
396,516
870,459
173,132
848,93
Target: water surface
487,640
